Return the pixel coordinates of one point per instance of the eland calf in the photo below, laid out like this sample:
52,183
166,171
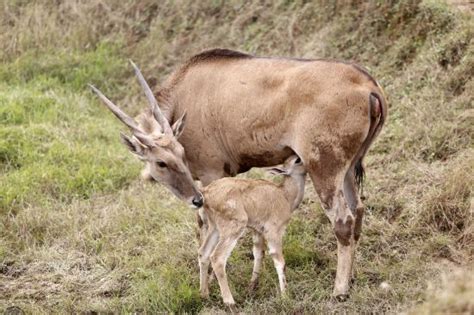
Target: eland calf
233,204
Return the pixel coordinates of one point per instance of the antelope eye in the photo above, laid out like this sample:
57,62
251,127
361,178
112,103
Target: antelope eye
298,160
161,164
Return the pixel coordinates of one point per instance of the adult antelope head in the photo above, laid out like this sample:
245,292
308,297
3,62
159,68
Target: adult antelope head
155,142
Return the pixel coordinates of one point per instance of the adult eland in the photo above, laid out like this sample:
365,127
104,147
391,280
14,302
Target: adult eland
223,112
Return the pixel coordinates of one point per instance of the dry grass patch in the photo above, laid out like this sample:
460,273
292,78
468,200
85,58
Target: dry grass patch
452,296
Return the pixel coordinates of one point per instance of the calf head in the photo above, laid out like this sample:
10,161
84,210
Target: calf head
293,166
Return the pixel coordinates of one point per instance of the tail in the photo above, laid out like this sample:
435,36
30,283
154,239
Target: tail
359,173
378,115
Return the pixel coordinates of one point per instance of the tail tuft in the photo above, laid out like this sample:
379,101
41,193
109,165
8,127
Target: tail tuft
359,173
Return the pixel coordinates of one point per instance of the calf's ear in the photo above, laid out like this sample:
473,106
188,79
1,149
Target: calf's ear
277,171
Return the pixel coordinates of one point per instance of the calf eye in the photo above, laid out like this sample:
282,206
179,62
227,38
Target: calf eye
161,164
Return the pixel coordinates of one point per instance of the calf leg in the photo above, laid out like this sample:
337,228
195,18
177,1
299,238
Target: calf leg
275,249
258,252
208,244
228,237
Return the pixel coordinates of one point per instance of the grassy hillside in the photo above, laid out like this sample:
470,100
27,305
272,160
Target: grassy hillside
79,232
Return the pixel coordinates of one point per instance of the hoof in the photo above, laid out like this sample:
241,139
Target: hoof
232,308
341,297
204,295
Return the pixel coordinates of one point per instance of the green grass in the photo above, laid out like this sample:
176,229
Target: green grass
79,232
55,143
